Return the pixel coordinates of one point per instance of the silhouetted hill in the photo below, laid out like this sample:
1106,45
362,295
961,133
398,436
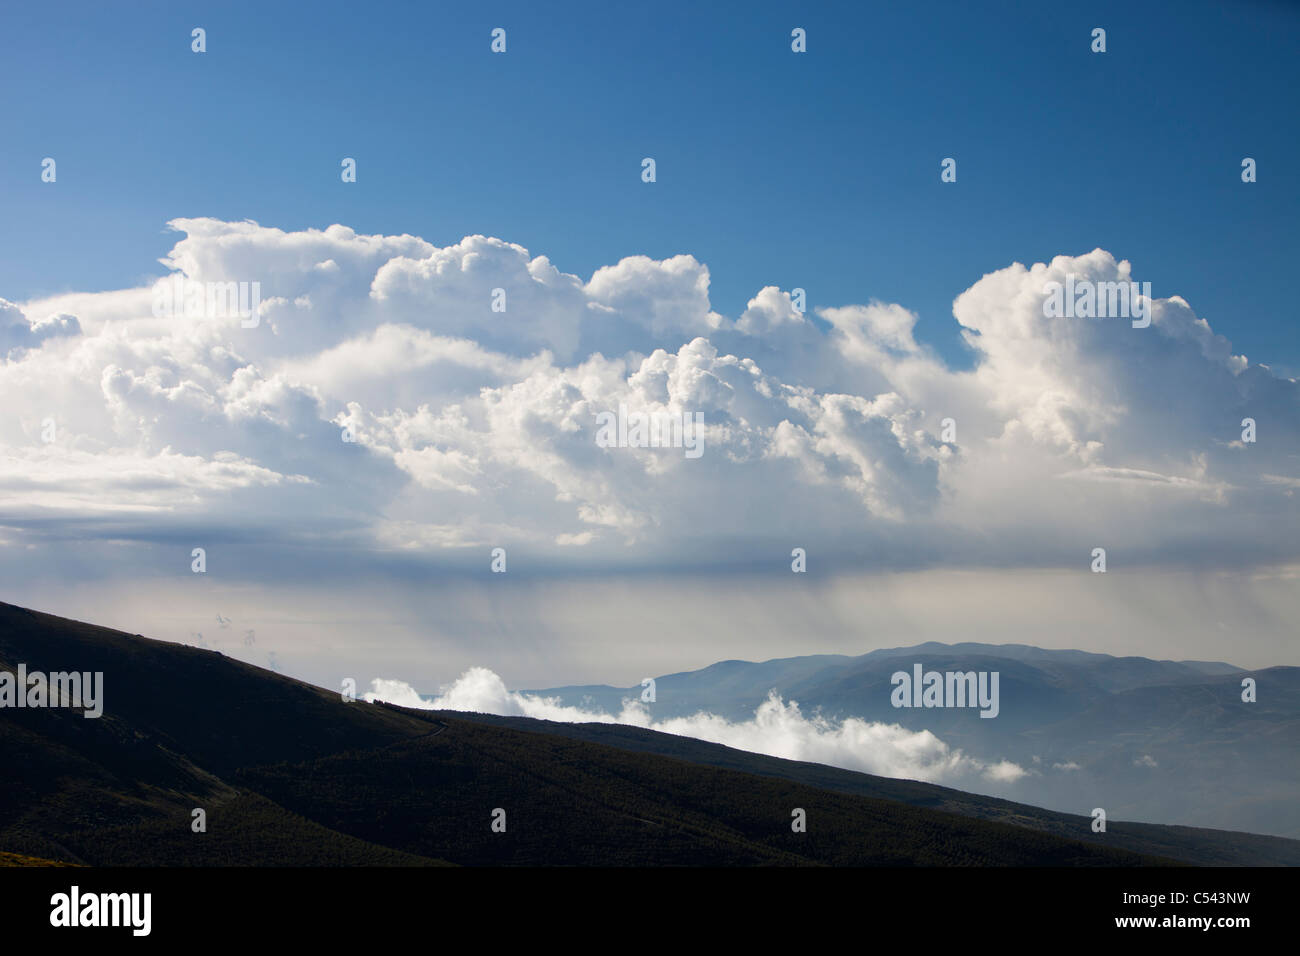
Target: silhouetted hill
290,774
1192,844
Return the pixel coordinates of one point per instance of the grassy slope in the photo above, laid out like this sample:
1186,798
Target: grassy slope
290,774
1193,844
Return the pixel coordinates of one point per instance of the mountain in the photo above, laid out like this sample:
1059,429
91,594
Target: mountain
1191,844
1165,740
734,688
290,774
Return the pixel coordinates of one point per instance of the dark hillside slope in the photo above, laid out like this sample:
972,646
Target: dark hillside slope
1207,847
290,774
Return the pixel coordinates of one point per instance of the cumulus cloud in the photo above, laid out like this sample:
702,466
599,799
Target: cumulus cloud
382,404
17,333
778,729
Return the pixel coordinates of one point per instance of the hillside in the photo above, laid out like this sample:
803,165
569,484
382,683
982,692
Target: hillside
290,774
1197,845
1162,740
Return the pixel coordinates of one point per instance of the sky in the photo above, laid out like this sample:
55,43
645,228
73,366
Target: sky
817,171
824,429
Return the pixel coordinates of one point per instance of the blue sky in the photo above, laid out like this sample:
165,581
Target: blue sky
818,171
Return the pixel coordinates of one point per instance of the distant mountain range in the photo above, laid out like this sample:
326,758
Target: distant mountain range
291,774
1148,740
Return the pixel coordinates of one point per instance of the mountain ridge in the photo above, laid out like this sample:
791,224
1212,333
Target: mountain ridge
291,774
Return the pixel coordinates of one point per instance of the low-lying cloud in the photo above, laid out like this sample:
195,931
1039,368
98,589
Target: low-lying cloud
778,728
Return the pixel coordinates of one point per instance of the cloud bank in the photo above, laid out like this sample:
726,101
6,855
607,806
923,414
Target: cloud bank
778,729
472,428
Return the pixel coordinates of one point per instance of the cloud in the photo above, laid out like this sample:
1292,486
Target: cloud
383,407
18,334
778,729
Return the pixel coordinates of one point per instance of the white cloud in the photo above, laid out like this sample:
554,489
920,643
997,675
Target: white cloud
476,426
17,333
778,729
